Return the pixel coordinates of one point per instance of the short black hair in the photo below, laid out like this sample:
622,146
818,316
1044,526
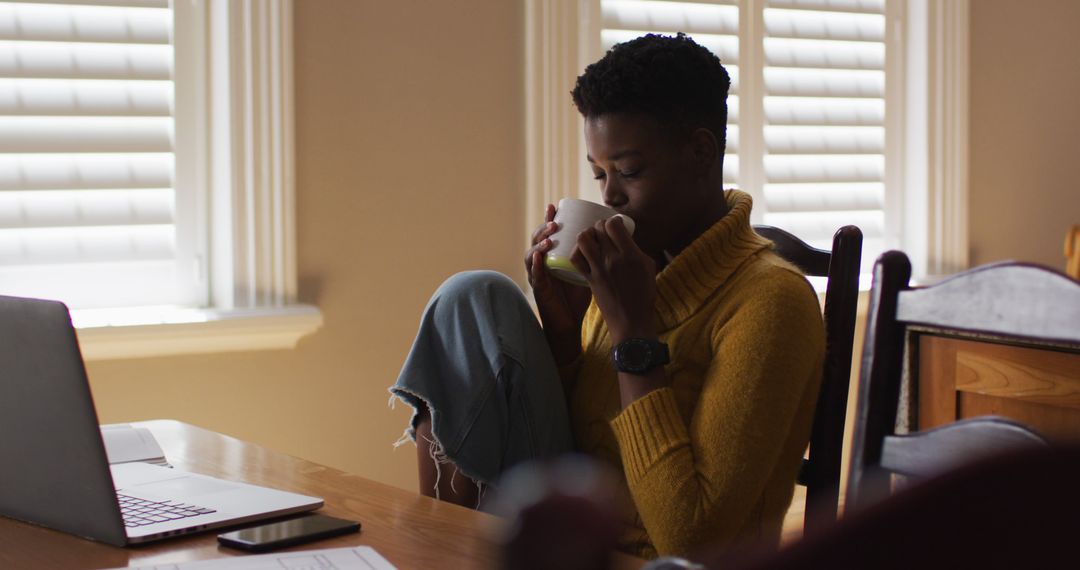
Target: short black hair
670,78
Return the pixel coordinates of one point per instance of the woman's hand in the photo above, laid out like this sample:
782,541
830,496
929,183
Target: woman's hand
622,279
623,282
561,305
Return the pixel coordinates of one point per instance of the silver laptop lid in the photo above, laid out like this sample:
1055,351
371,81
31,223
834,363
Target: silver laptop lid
55,473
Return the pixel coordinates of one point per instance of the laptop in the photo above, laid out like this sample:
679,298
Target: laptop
55,470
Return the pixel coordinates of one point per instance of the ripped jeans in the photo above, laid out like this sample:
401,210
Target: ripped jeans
481,364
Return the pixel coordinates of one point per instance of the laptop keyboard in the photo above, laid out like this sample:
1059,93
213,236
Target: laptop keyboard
141,512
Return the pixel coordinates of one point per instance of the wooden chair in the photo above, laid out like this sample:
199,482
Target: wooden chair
820,471
1001,339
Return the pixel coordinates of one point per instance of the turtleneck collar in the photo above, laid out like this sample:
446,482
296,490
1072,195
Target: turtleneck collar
703,267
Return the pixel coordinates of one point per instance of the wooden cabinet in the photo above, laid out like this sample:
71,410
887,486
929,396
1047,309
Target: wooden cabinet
963,378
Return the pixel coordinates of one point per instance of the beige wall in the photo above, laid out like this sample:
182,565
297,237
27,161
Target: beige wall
1025,129
409,168
406,123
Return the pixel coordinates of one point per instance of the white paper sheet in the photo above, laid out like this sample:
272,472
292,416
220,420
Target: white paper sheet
125,443
348,558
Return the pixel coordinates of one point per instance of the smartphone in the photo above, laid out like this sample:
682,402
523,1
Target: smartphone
287,533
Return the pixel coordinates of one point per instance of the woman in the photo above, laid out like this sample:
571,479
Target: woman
691,362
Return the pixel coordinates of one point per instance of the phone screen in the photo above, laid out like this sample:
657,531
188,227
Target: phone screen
287,533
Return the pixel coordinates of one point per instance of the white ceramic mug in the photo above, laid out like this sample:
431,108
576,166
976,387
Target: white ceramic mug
574,216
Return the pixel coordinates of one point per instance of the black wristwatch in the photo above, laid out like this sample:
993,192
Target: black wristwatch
639,355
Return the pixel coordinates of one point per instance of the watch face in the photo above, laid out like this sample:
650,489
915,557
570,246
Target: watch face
635,355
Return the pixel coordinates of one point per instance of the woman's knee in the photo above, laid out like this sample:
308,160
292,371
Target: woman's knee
491,285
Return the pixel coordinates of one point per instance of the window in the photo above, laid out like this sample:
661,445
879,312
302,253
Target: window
145,172
841,111
86,163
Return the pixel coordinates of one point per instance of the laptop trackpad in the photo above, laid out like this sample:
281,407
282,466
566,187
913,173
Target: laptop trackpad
184,486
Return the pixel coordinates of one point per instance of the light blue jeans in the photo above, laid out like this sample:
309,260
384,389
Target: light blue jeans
481,364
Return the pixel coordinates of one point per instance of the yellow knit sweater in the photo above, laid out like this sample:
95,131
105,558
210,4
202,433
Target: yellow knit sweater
712,459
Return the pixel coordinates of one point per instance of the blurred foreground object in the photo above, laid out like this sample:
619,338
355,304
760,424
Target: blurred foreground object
563,515
1015,510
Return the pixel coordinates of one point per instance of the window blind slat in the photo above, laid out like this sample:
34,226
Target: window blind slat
856,6
89,171
824,168
824,112
824,140
710,3
128,3
84,61
86,97
53,22
671,17
73,208
85,134
834,197
788,81
824,26
47,246
725,47
101,284
825,54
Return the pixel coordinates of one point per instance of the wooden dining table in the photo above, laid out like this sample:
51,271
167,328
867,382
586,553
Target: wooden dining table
408,529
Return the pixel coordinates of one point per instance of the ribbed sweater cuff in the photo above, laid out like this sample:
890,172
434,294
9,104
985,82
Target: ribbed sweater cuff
648,429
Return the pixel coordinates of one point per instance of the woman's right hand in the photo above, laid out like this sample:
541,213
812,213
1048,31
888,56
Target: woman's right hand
561,305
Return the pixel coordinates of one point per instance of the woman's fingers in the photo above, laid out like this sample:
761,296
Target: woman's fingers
594,246
547,228
541,242
537,271
544,231
587,254
603,239
619,235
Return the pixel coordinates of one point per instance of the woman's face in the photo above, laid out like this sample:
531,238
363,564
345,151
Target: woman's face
646,174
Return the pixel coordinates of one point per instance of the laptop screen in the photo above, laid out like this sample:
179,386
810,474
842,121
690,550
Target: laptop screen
55,473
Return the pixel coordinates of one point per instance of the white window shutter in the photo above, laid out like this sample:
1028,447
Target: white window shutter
824,124
713,25
821,161
86,152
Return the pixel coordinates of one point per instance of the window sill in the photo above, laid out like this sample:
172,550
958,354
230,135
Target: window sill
141,332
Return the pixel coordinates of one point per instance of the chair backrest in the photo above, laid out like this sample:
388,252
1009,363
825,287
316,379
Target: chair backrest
998,339
821,469
932,452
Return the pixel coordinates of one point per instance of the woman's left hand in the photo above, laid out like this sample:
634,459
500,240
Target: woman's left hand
622,278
